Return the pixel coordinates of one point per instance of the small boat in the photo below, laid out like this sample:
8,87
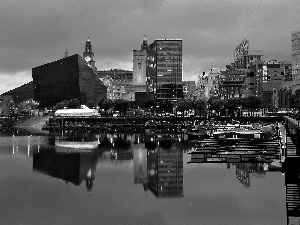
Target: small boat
198,133
266,133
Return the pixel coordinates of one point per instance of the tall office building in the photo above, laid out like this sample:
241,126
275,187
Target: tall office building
189,89
139,64
164,69
214,80
296,60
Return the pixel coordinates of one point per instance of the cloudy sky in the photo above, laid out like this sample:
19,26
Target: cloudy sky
35,32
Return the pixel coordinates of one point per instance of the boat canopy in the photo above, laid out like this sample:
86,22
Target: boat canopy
76,112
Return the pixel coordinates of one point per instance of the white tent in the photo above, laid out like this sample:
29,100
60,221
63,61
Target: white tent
76,112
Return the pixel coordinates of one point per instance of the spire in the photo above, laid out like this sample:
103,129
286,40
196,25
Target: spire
88,39
144,46
66,53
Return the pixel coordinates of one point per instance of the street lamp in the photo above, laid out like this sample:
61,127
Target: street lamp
240,111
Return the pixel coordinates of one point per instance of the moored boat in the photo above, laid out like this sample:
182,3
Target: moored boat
263,134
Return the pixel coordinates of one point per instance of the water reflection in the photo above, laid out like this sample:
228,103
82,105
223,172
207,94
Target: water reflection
247,171
150,164
74,167
165,170
74,156
291,170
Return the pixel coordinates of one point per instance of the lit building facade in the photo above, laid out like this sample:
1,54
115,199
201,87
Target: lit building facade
164,69
139,64
120,84
243,57
272,78
296,60
189,89
212,84
200,87
233,83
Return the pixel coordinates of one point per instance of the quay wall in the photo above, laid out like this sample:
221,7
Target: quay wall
140,124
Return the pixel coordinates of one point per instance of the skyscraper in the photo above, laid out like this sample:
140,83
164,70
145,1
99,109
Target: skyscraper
296,60
164,69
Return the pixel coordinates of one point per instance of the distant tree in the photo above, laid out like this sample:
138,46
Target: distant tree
184,105
200,104
215,103
251,103
121,105
91,104
27,105
180,107
296,100
73,104
292,101
100,102
106,105
151,104
61,105
165,105
232,105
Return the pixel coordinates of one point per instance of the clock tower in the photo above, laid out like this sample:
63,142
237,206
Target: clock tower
88,54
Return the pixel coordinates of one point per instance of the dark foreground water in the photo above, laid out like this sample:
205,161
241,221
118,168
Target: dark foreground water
130,179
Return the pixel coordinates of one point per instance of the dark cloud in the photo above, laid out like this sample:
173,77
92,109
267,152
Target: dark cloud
35,32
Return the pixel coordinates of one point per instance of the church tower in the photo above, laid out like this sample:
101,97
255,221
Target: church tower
139,64
88,54
144,46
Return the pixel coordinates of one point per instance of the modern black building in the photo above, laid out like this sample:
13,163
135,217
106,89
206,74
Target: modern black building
21,93
164,69
66,79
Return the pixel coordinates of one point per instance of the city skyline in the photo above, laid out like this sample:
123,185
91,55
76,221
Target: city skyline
38,32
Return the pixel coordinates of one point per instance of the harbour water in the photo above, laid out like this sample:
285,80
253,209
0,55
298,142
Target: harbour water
130,179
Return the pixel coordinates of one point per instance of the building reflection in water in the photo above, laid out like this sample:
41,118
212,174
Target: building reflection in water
247,171
164,176
251,161
291,170
70,156
74,167
73,157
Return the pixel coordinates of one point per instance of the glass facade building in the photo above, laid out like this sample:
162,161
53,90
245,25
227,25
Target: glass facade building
164,69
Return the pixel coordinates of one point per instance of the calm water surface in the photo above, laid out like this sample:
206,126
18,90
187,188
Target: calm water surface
130,179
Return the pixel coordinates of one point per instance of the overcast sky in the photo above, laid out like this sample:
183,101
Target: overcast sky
35,32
